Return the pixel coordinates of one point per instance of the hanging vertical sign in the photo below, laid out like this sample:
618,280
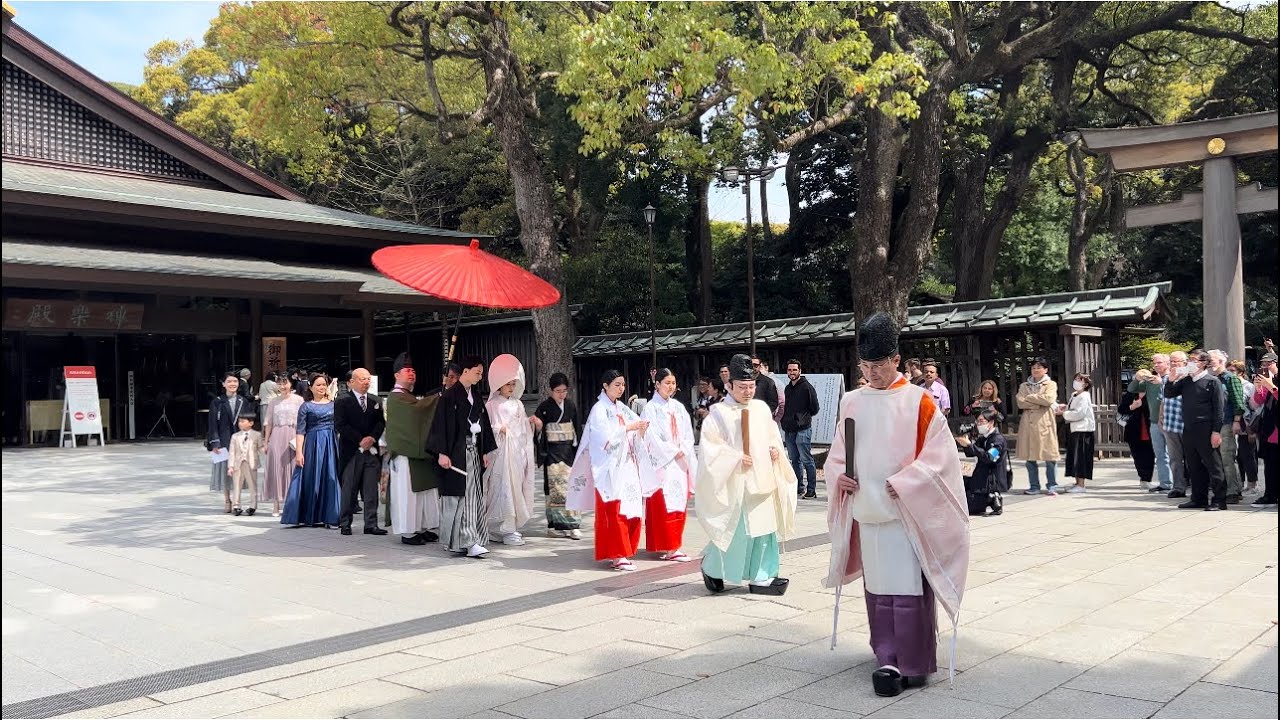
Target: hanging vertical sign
80,407
133,428
274,355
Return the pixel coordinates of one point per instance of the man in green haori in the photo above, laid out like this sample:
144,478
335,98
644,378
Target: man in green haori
413,497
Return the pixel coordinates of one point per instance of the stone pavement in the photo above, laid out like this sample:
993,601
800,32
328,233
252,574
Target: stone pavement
128,593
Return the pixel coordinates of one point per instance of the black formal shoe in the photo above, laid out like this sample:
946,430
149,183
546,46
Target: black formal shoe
911,681
888,682
428,536
358,510
1176,494
811,496
414,540
1222,505
1156,489
375,531
715,585
345,531
250,511
777,587
236,511
1192,505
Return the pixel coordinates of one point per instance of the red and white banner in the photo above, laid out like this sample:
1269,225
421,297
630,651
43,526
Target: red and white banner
82,406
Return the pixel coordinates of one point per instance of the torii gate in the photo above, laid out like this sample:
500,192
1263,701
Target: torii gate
1213,144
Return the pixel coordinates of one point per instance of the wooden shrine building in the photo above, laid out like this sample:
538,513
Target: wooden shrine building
133,246
971,341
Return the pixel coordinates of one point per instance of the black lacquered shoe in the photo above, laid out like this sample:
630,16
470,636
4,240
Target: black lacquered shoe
715,585
428,537
888,682
777,587
375,531
413,540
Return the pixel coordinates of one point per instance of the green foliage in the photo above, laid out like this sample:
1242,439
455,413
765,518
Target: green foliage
1136,350
644,71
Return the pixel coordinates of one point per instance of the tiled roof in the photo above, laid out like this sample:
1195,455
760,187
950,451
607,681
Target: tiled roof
1114,306
362,284
44,180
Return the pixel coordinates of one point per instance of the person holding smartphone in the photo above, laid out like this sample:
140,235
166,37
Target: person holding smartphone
1266,401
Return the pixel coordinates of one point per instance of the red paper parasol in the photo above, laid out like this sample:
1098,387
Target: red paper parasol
465,275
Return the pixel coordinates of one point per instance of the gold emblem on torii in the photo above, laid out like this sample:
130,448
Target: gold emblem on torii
1216,146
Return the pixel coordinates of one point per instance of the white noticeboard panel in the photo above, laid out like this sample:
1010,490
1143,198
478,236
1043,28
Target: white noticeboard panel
80,408
830,388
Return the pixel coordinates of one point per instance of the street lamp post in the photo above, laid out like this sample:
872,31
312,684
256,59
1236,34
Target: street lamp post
651,214
731,174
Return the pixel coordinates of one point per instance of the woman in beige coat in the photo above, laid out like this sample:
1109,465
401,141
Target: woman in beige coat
1038,427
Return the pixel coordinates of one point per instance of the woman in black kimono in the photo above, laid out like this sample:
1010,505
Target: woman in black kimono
559,431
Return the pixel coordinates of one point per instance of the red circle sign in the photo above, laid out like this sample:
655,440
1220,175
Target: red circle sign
79,415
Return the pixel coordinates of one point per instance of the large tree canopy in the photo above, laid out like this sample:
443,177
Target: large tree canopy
927,146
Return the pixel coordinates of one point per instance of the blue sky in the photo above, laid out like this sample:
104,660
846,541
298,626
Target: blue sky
111,39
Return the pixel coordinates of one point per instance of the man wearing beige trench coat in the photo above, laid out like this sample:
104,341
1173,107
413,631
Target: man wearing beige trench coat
1038,428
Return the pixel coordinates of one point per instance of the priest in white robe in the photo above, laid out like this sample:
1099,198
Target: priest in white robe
745,495
898,516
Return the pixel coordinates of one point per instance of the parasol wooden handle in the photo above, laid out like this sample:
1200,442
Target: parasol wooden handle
746,431
848,447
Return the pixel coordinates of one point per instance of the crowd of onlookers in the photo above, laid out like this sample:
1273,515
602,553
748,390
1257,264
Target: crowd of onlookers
1197,422
1197,426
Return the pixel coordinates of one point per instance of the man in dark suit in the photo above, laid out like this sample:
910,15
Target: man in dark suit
359,422
766,388
1202,400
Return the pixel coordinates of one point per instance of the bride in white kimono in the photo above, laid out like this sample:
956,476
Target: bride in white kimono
509,488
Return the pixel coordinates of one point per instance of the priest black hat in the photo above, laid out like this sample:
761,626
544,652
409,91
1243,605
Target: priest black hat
877,337
402,361
740,368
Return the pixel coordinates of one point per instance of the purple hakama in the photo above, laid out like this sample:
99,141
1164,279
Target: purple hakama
904,631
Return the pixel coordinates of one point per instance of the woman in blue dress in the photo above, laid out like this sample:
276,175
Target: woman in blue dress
313,494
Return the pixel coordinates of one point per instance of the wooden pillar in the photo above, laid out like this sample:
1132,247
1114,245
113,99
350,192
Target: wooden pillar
1223,278
366,337
255,341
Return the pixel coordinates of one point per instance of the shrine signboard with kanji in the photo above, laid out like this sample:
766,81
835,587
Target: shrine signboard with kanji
24,314
274,355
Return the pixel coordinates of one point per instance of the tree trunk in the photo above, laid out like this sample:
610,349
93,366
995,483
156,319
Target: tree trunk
697,246
969,244
875,288
1083,222
978,231
534,207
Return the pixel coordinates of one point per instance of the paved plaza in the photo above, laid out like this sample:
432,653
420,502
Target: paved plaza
127,592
